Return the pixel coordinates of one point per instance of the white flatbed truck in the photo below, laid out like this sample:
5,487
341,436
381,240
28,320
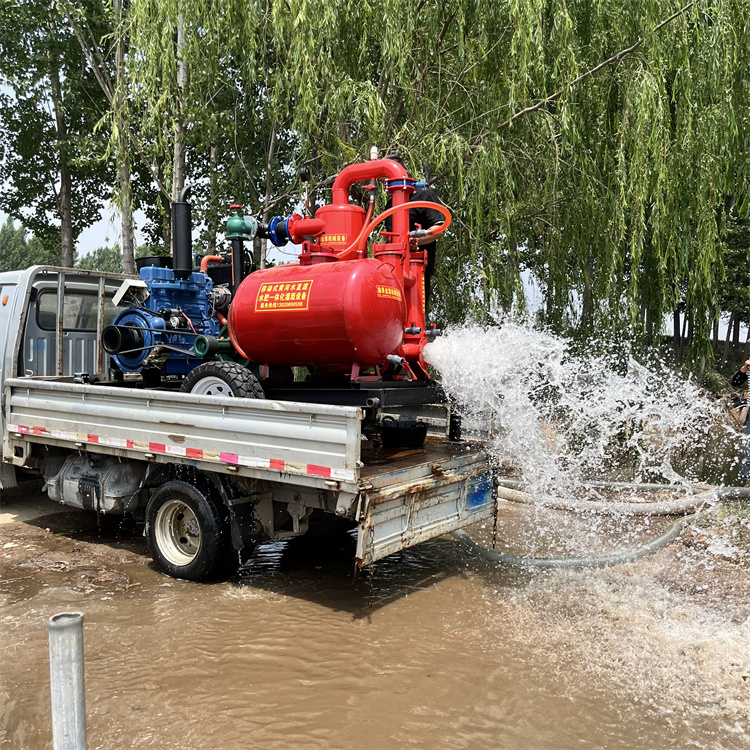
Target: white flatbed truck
212,476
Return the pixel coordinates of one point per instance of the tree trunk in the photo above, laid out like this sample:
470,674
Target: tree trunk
165,217
258,244
269,165
126,198
126,207
508,301
736,330
676,340
178,164
716,332
64,196
730,325
213,202
587,307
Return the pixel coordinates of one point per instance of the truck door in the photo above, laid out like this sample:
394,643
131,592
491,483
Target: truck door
7,296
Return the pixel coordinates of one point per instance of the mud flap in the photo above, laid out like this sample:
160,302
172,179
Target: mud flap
8,477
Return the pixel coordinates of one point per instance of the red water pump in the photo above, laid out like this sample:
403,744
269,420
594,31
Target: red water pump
340,309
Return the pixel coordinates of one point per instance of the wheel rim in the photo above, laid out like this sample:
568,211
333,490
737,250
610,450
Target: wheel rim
178,533
212,386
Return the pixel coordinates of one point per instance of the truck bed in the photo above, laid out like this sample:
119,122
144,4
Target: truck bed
401,498
305,444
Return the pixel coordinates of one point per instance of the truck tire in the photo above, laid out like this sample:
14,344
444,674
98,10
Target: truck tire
188,536
222,379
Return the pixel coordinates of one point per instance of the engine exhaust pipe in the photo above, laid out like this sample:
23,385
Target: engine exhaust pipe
182,235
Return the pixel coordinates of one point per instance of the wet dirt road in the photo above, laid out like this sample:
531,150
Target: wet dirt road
437,650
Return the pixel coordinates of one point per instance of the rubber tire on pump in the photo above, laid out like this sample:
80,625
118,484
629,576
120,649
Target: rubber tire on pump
222,379
188,536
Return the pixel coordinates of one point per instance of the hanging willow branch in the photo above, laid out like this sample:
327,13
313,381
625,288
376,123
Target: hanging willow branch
613,200
621,55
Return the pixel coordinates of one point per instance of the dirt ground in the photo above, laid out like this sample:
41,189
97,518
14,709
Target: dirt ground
648,654
87,553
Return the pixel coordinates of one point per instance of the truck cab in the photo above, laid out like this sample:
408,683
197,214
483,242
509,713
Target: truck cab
32,344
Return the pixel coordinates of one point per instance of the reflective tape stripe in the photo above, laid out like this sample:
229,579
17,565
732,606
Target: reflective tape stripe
275,464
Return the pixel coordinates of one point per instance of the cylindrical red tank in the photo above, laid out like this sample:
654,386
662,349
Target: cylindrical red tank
342,225
321,314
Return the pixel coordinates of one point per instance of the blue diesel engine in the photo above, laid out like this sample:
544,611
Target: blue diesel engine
169,309
166,316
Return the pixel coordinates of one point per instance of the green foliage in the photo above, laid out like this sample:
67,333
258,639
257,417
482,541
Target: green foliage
17,252
618,195
612,193
714,382
102,259
735,292
41,135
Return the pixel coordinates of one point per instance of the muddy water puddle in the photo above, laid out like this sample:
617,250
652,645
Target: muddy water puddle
435,649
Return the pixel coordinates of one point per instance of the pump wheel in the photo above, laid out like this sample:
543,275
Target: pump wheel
186,533
222,379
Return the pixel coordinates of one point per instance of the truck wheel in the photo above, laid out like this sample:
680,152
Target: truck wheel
222,379
186,533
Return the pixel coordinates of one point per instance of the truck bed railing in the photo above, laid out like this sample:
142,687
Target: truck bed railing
307,444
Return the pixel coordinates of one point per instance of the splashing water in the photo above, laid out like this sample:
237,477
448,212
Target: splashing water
566,418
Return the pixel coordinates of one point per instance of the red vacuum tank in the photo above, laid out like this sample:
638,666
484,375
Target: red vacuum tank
320,314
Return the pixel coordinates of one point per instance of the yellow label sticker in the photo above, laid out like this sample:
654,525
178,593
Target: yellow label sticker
283,295
333,239
389,292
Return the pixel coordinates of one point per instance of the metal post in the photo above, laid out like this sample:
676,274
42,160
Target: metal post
67,681
59,360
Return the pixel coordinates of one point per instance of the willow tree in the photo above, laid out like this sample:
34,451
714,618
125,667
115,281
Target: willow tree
597,145
611,190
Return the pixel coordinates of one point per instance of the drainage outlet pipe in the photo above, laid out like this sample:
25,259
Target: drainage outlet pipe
67,681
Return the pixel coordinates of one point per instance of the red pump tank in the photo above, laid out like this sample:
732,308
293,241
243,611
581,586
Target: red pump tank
320,314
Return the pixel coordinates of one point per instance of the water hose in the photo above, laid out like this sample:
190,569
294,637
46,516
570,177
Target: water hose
646,487
563,563
233,338
210,259
680,507
350,251
693,504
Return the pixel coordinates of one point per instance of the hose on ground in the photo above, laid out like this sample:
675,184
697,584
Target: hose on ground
689,504
561,563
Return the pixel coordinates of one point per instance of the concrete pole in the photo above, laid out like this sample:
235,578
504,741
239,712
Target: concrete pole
67,681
